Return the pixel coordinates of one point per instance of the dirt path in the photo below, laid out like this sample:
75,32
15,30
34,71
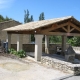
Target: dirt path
11,69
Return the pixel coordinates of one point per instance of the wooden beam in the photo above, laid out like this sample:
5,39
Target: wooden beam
65,29
60,33
55,26
72,29
68,28
51,28
75,21
77,28
48,33
21,32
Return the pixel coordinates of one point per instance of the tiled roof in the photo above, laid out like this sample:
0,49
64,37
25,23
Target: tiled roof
37,24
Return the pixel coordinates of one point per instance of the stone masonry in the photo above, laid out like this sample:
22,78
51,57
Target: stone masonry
8,24
60,65
70,55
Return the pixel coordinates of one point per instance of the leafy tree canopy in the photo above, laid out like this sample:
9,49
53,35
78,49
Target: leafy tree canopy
4,18
41,17
27,17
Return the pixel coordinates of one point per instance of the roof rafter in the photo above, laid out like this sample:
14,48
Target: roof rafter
72,29
55,26
75,27
64,29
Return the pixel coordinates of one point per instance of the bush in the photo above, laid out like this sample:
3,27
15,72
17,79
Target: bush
11,51
20,53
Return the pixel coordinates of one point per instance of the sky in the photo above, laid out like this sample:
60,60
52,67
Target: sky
52,8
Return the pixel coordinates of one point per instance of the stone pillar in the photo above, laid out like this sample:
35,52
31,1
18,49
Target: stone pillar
19,41
38,47
46,44
64,38
9,40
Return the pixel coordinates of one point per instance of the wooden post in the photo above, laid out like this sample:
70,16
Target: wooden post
46,44
64,38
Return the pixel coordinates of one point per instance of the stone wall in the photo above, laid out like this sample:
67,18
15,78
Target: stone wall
60,65
27,47
26,38
8,24
31,47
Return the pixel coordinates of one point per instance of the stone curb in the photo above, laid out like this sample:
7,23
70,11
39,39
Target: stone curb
65,77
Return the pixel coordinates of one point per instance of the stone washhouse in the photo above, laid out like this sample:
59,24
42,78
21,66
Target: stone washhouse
64,26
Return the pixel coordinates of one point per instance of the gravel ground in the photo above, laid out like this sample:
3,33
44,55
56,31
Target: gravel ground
11,69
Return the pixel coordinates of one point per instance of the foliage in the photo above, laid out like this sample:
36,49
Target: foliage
55,39
32,38
1,18
75,41
20,53
27,17
4,19
41,17
31,19
7,18
11,51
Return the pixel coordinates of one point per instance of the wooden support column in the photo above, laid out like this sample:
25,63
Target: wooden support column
38,47
9,40
46,44
64,38
19,41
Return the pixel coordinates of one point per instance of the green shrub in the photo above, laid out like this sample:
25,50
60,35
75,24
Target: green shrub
11,51
21,53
